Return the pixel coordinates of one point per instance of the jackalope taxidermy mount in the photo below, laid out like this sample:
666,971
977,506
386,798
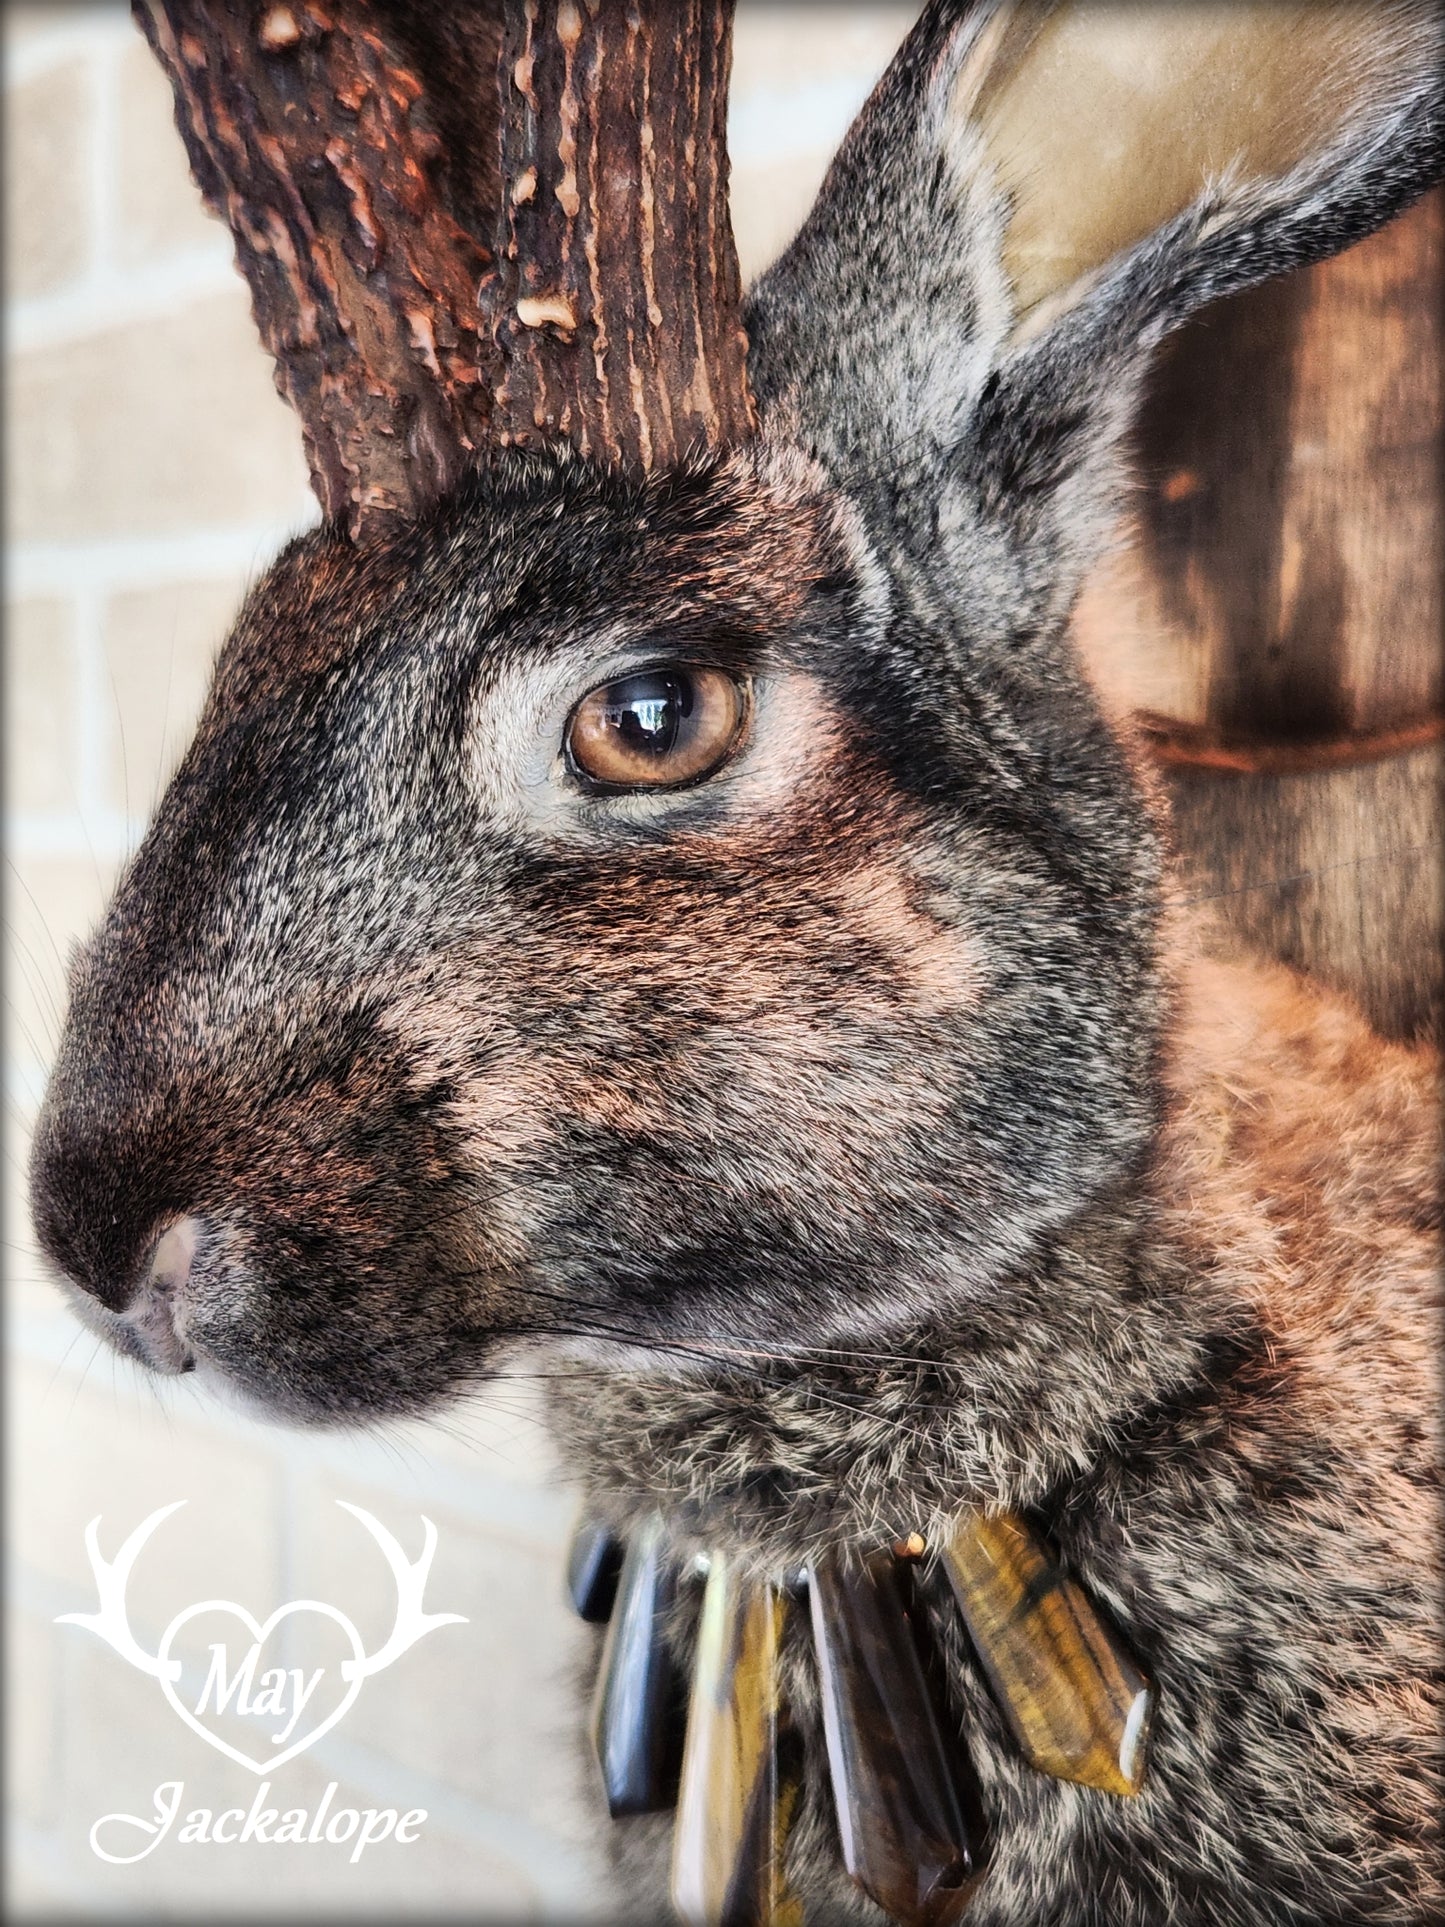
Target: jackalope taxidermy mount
653,890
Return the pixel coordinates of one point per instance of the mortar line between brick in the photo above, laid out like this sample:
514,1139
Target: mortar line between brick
25,1079
769,124
126,562
42,54
93,734
288,1515
38,835
508,1835
537,1519
108,296
34,957
52,1857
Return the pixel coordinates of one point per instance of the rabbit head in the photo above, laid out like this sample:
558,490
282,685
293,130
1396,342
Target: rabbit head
428,1036
707,914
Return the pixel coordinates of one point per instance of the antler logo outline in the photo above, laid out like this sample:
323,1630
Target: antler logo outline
111,1623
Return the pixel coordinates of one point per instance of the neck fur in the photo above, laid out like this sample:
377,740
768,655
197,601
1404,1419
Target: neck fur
997,1406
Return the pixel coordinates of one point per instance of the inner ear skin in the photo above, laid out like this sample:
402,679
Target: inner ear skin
1104,123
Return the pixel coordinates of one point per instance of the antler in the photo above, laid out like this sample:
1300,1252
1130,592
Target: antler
487,225
411,1577
111,1577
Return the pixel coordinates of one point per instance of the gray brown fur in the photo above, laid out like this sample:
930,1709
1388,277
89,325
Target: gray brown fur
961,1182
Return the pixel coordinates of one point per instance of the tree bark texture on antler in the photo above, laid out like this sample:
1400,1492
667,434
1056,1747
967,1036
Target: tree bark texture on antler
479,226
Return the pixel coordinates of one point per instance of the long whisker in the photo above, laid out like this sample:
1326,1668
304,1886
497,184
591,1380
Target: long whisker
738,1358
730,1349
1374,857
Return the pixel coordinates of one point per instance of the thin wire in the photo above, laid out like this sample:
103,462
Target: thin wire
1303,876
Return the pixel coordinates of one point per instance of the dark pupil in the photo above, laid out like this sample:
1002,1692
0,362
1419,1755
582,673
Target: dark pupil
648,712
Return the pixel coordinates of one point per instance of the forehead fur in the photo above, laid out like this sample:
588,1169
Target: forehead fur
737,541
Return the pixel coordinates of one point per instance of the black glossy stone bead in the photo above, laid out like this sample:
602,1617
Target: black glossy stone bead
895,1784
638,1710
594,1565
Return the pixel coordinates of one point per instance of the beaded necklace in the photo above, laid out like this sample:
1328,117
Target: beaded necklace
1077,1704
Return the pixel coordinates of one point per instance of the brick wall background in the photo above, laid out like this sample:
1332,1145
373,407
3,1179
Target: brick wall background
151,471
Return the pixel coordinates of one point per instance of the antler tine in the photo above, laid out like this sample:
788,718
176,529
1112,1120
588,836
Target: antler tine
111,1577
411,1577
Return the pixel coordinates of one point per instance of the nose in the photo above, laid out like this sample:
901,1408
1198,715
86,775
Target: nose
109,1220
156,1313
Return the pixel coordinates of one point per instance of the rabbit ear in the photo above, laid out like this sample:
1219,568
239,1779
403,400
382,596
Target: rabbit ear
1032,197
1288,130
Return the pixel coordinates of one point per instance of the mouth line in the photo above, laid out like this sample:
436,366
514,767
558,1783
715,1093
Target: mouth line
156,1335
146,1332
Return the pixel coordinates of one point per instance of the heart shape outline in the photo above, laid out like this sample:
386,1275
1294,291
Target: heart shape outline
261,1631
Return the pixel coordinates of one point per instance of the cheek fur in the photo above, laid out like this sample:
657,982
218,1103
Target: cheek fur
782,1028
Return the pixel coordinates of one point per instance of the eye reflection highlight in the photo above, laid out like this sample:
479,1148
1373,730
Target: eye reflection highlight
658,729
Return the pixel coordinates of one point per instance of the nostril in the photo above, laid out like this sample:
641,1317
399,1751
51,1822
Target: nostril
173,1256
155,1317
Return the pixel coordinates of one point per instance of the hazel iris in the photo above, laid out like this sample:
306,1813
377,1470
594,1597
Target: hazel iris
658,729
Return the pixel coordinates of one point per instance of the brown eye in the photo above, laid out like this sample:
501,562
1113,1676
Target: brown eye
658,729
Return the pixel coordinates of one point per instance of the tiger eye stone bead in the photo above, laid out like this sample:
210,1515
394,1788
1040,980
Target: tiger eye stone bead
1077,1703
738,1793
594,1564
636,1712
905,1840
